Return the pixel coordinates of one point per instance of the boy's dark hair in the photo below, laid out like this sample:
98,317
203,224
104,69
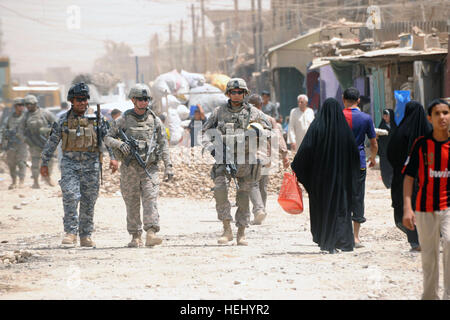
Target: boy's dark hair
434,103
351,94
115,111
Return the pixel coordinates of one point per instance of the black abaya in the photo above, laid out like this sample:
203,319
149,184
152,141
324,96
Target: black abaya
385,167
413,125
325,163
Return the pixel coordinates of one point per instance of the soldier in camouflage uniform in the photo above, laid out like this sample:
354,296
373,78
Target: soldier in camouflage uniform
258,195
80,165
35,128
14,144
141,124
231,122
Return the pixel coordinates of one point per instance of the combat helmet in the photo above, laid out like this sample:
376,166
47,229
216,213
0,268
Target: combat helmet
18,101
79,89
139,90
30,99
237,83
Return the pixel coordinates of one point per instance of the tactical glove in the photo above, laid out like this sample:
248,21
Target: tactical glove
125,148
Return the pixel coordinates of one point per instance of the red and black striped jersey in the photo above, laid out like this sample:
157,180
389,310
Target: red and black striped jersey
429,160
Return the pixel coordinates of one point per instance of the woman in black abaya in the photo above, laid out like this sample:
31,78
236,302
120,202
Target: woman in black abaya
387,123
413,125
325,164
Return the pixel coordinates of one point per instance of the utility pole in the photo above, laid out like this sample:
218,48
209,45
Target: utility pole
137,68
205,55
170,47
260,34
194,40
181,45
236,15
260,47
255,42
155,42
299,18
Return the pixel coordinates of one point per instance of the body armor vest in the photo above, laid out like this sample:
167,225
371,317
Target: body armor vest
143,130
14,121
36,123
79,134
229,120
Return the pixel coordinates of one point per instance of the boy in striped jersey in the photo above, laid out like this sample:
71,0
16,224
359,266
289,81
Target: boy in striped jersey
430,160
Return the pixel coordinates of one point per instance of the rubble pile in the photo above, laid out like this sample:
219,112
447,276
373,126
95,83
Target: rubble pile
17,256
191,179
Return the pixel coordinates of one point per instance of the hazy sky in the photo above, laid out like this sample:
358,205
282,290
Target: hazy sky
46,33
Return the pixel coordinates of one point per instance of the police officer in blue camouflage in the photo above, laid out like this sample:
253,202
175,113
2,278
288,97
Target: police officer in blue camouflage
80,165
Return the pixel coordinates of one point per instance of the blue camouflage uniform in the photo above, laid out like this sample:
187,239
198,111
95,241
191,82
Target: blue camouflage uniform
80,168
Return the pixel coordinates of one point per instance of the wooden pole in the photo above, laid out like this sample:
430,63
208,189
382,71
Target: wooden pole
181,46
205,54
194,40
255,42
170,47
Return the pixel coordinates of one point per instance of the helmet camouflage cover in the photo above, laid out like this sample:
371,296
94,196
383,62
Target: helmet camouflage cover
30,99
18,101
139,90
236,83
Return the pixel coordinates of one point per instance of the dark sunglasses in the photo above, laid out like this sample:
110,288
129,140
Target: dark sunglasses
143,99
81,99
29,104
237,91
20,105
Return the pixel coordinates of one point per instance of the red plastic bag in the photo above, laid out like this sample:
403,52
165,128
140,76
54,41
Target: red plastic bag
290,197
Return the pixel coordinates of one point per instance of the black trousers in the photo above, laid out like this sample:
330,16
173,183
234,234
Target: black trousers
358,190
397,204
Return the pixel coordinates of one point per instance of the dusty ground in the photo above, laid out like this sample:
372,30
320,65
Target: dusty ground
281,261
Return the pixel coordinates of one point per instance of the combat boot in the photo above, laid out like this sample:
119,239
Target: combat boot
70,238
36,184
49,181
21,183
152,239
240,238
86,242
13,184
227,234
259,217
136,241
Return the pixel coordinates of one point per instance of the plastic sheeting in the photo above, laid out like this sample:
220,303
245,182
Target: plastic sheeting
208,96
402,97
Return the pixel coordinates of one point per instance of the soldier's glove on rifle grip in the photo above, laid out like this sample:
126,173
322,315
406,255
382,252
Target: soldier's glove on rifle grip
125,148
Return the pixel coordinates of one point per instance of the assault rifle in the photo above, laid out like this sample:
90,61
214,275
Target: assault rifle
230,167
11,138
99,142
134,151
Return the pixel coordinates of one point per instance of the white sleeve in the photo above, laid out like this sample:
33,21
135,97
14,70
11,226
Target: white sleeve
291,131
310,116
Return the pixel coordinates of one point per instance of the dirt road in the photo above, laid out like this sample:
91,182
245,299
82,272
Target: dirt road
281,261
